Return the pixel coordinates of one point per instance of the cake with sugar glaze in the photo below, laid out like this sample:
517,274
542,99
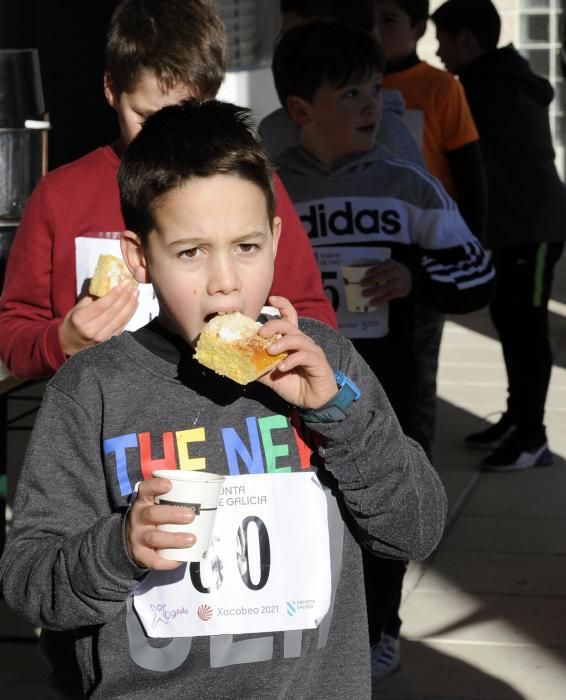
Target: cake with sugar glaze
230,345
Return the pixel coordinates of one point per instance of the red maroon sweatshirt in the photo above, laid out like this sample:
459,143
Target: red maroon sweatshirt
82,199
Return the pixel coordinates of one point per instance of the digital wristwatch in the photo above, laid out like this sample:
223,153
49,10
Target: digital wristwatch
336,408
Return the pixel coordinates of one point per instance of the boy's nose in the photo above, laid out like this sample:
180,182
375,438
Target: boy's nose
372,104
223,277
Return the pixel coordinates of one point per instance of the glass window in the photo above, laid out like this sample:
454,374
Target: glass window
533,4
560,130
539,60
535,28
559,103
251,29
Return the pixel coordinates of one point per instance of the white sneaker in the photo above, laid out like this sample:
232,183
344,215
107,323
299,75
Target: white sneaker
385,657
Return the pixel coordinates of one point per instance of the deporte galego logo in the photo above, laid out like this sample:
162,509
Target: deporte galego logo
204,612
165,616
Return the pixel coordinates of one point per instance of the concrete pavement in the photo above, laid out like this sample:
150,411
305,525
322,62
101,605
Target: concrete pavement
484,617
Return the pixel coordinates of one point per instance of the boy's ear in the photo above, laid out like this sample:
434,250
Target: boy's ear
467,41
276,228
110,91
419,29
298,110
134,256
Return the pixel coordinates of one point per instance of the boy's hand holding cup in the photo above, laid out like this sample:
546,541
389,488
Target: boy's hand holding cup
172,518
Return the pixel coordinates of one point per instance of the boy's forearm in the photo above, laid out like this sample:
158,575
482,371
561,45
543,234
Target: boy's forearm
30,347
29,344
70,580
451,271
388,484
65,563
468,171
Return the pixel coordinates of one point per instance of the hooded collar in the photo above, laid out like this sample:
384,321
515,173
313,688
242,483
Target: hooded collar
394,66
299,160
506,67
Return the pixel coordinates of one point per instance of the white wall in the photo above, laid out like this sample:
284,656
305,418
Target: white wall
251,88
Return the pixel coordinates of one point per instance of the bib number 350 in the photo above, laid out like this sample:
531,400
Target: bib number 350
243,546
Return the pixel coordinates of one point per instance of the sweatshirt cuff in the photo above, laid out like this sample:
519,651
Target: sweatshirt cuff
342,439
54,355
418,283
113,551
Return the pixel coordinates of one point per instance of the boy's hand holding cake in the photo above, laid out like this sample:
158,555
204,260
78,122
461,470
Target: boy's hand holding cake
93,320
110,272
277,354
230,345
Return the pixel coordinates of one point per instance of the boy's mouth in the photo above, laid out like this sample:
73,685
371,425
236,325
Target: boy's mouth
210,316
367,129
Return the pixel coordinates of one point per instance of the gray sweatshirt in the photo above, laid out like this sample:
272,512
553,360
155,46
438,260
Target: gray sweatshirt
66,567
374,201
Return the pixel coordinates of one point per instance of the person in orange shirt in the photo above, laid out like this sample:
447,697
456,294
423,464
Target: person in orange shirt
449,135
437,104
442,122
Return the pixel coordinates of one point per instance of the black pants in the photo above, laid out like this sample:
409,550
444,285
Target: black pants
384,585
427,338
394,364
519,310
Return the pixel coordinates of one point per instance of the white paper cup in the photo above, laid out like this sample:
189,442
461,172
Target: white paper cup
199,491
353,274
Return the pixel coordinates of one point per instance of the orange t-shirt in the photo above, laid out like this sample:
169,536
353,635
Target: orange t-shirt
448,122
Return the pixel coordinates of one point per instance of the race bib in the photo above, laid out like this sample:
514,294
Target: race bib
267,569
332,261
87,251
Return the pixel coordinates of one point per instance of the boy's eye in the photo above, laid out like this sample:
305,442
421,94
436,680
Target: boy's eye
189,253
248,247
351,93
387,19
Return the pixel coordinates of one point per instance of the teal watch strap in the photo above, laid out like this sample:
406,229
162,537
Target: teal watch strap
335,409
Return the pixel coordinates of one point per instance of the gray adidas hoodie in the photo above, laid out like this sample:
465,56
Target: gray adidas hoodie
373,200
66,567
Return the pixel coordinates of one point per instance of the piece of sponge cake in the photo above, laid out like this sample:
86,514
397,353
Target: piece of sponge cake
110,272
229,345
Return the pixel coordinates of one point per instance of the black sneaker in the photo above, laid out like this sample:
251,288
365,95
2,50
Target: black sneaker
492,437
515,454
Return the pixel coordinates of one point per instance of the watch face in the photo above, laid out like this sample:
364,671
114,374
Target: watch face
345,383
335,409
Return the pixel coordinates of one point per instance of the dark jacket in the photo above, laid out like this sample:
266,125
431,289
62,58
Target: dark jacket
527,199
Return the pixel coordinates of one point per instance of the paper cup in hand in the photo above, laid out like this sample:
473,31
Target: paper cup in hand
353,274
200,492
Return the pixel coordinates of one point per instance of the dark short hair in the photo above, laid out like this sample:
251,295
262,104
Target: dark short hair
182,42
183,142
416,9
358,13
477,16
315,53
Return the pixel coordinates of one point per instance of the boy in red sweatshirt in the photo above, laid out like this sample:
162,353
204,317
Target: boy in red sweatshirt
157,54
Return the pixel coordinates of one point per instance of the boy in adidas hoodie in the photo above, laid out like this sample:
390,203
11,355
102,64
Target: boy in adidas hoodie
358,205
